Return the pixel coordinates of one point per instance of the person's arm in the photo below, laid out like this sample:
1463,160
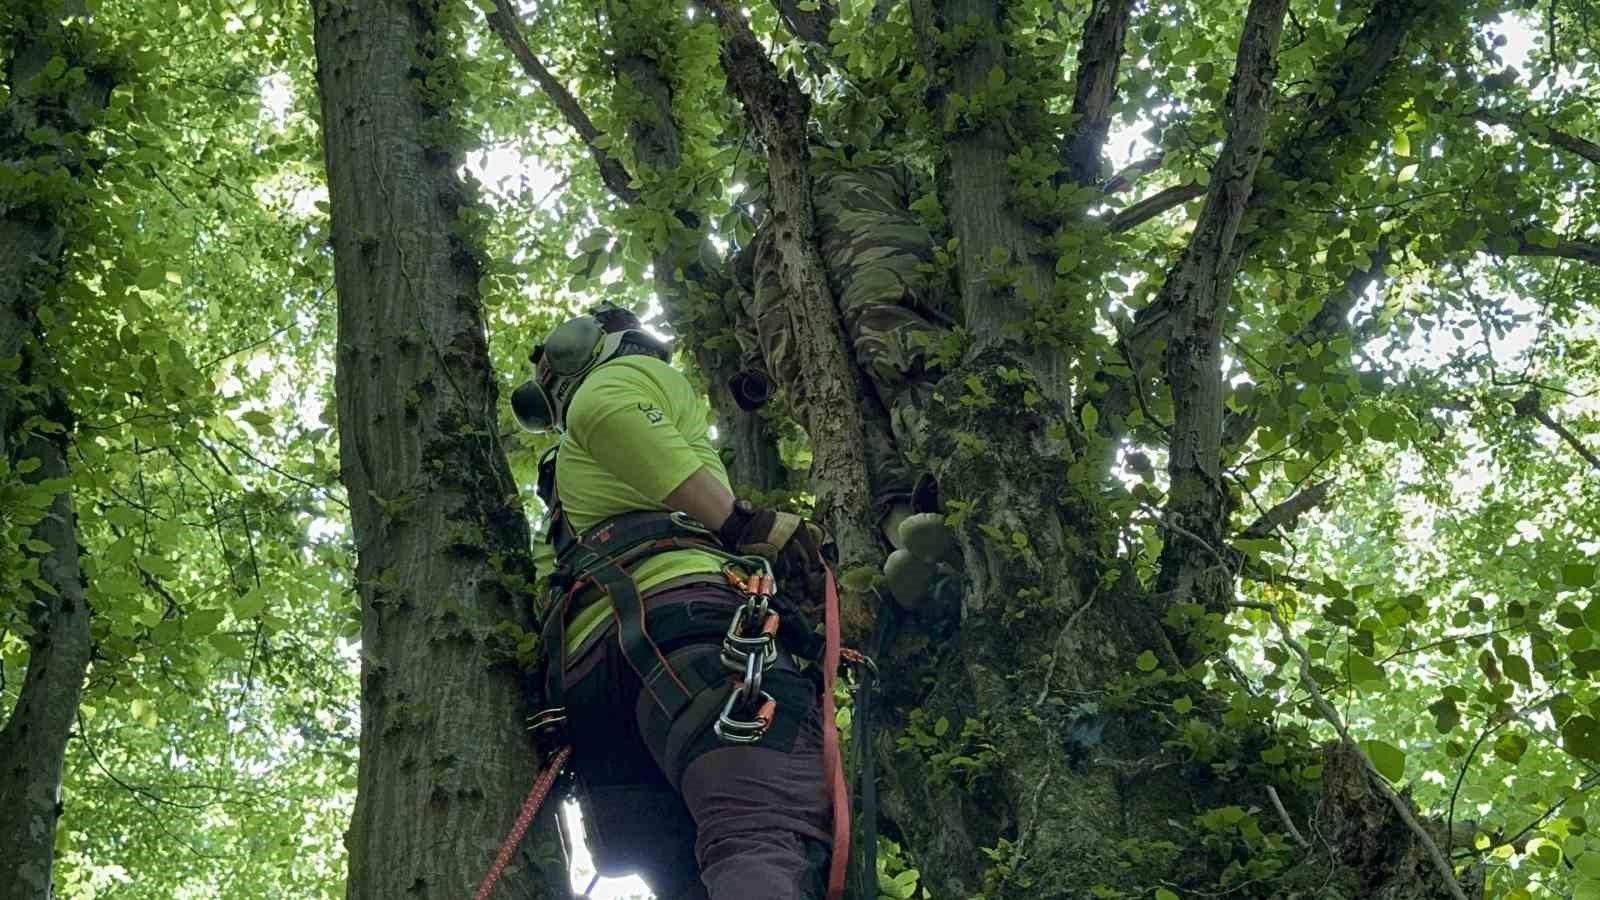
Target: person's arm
702,496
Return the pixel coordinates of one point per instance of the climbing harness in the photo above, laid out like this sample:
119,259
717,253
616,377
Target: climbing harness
684,686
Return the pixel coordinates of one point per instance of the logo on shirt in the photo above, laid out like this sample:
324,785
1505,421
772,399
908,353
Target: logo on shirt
651,412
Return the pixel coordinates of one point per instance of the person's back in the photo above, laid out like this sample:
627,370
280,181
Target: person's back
683,782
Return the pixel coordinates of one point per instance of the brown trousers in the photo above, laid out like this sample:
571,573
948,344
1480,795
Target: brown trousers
750,821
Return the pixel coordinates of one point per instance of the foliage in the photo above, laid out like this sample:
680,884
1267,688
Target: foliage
1447,592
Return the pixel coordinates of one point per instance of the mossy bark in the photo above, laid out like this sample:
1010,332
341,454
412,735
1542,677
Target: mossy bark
443,545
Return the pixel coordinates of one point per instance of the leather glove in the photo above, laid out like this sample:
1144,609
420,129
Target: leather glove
793,544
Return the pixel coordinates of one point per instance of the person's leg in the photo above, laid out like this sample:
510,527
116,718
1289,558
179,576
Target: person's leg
763,817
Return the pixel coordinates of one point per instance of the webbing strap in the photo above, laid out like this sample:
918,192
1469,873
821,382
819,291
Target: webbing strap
832,764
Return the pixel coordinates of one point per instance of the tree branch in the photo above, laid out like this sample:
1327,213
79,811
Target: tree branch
1154,205
1099,56
1326,709
809,25
1528,406
503,21
1196,290
1582,251
1287,514
1519,122
829,391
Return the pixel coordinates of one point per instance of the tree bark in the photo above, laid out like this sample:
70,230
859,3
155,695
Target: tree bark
45,125
442,541
830,389
1197,291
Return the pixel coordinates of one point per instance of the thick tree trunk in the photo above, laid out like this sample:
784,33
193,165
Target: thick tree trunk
34,740
443,544
44,126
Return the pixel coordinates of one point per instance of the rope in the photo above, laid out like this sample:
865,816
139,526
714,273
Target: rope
832,763
530,808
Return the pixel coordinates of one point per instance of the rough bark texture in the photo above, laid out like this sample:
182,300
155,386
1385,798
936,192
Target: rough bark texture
1099,57
975,185
830,388
44,126
1196,290
34,740
442,540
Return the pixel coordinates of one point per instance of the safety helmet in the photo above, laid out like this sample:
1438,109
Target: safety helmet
569,353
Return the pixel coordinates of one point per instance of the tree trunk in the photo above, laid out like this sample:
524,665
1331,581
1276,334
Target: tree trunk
442,541
45,126
34,741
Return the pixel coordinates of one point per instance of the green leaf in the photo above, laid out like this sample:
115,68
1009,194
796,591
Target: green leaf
1510,747
1516,669
1363,671
1389,760
1383,427
1402,143
258,420
1182,705
1090,417
1578,575
1164,894
201,622
1147,661
1580,736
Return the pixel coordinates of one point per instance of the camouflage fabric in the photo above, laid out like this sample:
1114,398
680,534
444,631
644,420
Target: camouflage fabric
880,266
879,259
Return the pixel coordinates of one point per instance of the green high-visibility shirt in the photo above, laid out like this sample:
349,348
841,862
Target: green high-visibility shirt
636,430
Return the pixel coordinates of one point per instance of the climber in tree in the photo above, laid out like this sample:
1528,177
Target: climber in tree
896,307
698,756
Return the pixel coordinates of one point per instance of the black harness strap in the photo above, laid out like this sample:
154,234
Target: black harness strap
600,558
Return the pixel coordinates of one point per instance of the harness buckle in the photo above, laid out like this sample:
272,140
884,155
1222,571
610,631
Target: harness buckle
745,731
549,727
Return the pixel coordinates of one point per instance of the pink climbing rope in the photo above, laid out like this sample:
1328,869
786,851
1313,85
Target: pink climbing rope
530,808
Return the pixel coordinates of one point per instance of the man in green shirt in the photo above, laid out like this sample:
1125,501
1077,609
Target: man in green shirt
699,755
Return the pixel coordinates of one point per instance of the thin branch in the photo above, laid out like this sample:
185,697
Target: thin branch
1582,251
1133,172
1520,123
1272,794
1528,405
1333,718
1287,514
503,21
1154,205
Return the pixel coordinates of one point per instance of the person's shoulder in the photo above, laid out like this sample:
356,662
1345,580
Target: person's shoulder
619,383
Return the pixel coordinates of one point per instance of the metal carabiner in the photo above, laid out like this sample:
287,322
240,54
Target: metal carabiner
744,731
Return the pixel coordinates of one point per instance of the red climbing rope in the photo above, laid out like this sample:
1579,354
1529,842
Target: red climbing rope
530,808
832,762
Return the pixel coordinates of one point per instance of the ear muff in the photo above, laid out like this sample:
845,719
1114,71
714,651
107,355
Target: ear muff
532,406
571,347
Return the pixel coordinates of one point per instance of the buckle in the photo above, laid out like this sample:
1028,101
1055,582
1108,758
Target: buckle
745,731
549,727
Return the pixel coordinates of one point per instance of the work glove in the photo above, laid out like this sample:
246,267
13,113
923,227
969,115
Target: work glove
795,545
